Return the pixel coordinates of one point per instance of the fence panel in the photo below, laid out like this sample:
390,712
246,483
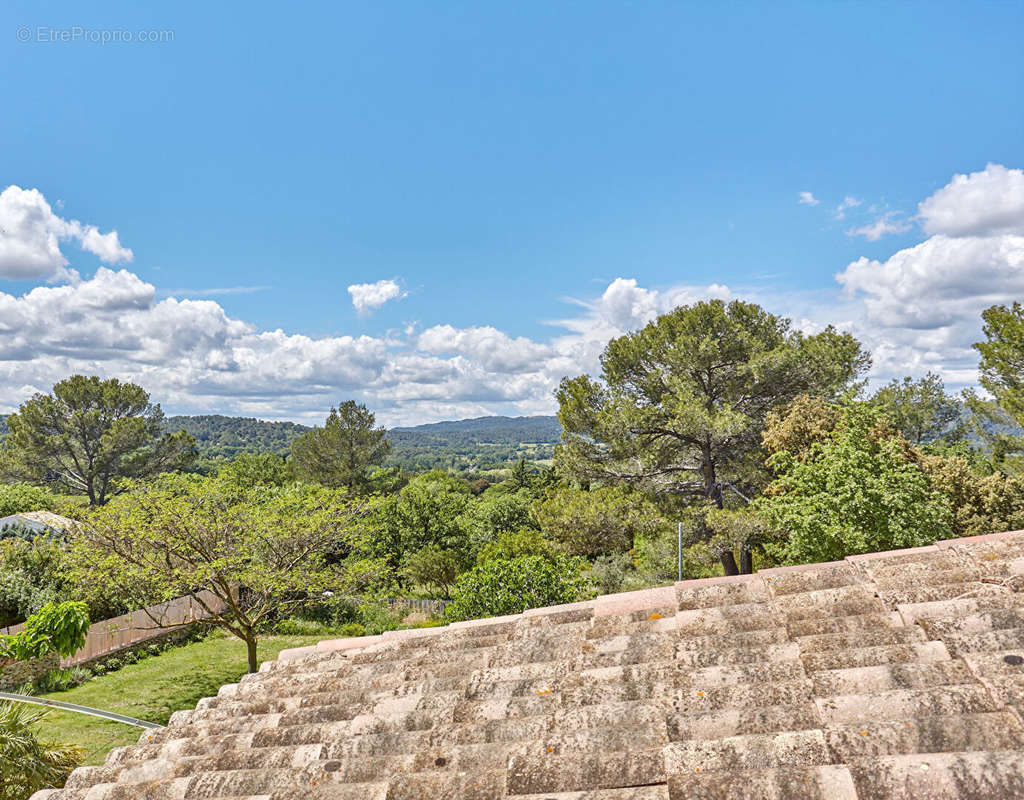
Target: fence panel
118,633
111,635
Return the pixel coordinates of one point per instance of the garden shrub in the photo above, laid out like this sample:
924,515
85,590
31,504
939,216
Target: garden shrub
512,586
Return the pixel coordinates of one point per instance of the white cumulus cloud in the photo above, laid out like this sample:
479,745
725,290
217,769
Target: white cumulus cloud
807,199
921,307
985,203
31,235
367,297
916,310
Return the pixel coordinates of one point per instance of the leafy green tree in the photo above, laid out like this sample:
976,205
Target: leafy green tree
497,513
681,403
249,470
996,430
859,491
799,424
90,434
428,511
431,566
921,410
510,587
510,545
27,763
19,497
981,503
521,476
1002,357
341,453
597,522
260,552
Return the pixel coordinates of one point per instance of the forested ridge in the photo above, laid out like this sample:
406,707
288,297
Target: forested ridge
469,444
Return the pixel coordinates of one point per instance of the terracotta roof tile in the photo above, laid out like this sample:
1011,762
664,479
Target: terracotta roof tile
891,675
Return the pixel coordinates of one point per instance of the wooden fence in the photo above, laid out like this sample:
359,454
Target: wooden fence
136,627
423,606
119,633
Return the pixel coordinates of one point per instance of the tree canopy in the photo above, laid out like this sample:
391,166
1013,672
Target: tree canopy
681,404
90,434
920,409
258,550
857,489
1002,357
341,453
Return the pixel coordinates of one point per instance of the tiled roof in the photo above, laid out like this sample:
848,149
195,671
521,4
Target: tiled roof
38,521
893,675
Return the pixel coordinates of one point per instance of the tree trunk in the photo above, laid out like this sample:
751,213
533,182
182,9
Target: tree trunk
729,563
250,644
746,560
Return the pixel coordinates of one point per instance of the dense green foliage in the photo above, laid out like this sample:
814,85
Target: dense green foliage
220,437
429,513
858,490
183,535
1002,358
16,498
599,522
921,410
34,571
510,586
681,404
59,629
342,452
90,434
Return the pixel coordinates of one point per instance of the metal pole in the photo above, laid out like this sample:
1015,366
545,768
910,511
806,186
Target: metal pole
679,548
93,712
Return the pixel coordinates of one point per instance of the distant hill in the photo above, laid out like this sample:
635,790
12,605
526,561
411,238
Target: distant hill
490,429
475,445
467,445
218,436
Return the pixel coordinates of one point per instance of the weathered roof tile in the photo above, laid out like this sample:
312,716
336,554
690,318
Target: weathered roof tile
891,675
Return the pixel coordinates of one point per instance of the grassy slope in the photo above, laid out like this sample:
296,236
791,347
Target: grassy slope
153,689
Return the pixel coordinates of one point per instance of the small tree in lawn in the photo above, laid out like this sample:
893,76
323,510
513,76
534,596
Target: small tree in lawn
259,551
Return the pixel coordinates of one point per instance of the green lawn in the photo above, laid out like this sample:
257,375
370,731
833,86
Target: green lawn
153,689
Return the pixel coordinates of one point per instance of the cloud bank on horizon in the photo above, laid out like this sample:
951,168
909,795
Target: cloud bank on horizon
917,310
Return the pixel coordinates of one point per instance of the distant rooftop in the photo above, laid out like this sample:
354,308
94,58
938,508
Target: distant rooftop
891,675
39,521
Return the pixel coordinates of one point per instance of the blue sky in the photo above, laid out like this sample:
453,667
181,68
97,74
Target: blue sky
494,160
